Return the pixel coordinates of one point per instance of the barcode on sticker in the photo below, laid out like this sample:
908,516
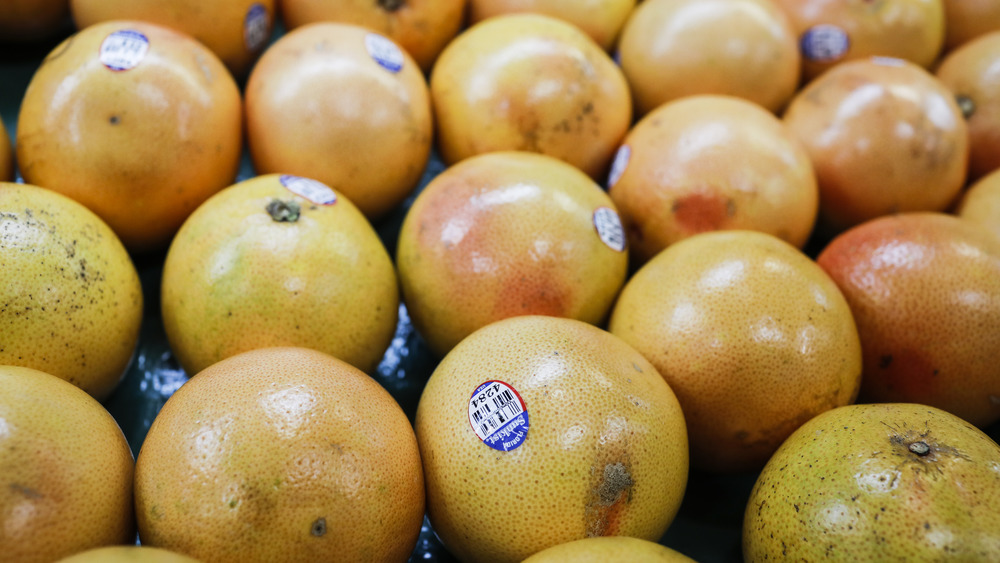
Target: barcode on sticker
123,49
609,228
316,192
498,415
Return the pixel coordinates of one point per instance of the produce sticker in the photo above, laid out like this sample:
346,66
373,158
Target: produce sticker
123,49
498,415
384,52
256,26
609,228
315,191
824,43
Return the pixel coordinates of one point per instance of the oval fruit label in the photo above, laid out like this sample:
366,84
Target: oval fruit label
498,415
123,49
384,52
256,26
824,43
315,191
609,228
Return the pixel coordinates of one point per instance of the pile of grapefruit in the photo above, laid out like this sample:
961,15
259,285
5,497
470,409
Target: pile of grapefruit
499,280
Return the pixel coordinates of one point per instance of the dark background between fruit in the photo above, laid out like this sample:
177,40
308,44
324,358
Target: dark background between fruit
707,528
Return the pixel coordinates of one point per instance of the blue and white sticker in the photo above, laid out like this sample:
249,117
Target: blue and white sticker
315,191
384,52
619,164
256,27
498,415
824,43
609,228
123,49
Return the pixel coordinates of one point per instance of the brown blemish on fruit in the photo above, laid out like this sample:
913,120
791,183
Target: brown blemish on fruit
608,499
966,104
25,491
318,528
283,211
907,373
702,211
390,5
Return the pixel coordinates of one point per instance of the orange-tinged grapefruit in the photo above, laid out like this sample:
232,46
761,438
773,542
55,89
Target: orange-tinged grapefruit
600,19
535,431
281,454
66,470
981,203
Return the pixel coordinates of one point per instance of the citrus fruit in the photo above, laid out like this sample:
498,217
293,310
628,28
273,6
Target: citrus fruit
278,260
281,454
235,30
505,234
600,19
343,105
608,549
66,470
71,302
882,482
128,554
981,203
752,336
834,32
6,156
529,82
535,431
884,136
707,163
421,27
972,73
27,21
138,122
675,48
967,19
924,289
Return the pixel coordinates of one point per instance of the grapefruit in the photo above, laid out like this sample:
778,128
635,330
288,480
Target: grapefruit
138,122
281,454
71,302
421,27
28,21
235,30
608,549
967,19
675,48
278,260
707,163
832,32
536,431
752,336
884,136
66,470
6,156
600,19
128,554
972,73
925,292
883,482
981,203
345,106
534,83
506,234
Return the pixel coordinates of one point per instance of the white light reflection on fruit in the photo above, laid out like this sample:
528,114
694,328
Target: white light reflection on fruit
286,409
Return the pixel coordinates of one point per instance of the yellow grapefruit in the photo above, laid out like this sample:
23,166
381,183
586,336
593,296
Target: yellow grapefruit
981,203
600,19
71,302
278,260
609,549
128,554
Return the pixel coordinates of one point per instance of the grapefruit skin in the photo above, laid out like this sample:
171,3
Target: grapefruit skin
605,453
71,302
65,470
981,203
878,482
609,549
281,454
924,289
